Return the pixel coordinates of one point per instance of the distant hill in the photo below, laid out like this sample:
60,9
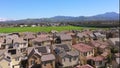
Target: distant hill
101,17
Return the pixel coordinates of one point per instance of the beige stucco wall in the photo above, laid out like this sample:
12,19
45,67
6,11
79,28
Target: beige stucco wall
14,62
67,63
5,64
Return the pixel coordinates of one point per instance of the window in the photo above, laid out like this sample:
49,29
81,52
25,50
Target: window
8,57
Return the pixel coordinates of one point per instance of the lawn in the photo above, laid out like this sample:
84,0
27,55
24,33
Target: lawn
39,29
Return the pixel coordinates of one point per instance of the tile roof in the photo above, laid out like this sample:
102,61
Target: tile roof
47,57
105,54
100,44
19,40
43,35
65,37
81,35
41,50
29,36
64,46
41,39
73,53
70,33
83,47
96,58
12,36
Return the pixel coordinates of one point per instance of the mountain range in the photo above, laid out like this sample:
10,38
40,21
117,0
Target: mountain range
109,16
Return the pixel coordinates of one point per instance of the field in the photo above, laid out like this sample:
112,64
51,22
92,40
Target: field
39,29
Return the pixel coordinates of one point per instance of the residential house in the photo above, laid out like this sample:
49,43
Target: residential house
84,50
82,37
41,57
99,36
16,57
114,42
5,61
42,40
97,61
20,44
63,39
10,58
73,35
100,46
65,57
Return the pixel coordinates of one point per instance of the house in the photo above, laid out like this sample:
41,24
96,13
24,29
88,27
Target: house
5,61
114,42
65,57
10,58
73,35
84,66
20,44
99,36
82,37
29,36
48,61
92,36
84,50
42,40
63,39
41,57
97,61
16,57
8,43
100,46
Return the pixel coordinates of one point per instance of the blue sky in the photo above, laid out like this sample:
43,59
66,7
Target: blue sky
22,9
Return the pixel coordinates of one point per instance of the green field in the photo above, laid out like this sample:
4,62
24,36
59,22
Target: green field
39,29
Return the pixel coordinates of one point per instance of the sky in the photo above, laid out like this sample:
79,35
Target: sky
22,9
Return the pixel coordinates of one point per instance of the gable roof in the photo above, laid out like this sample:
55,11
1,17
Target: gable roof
41,50
64,36
41,39
64,46
83,47
73,53
47,57
96,58
19,40
29,36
